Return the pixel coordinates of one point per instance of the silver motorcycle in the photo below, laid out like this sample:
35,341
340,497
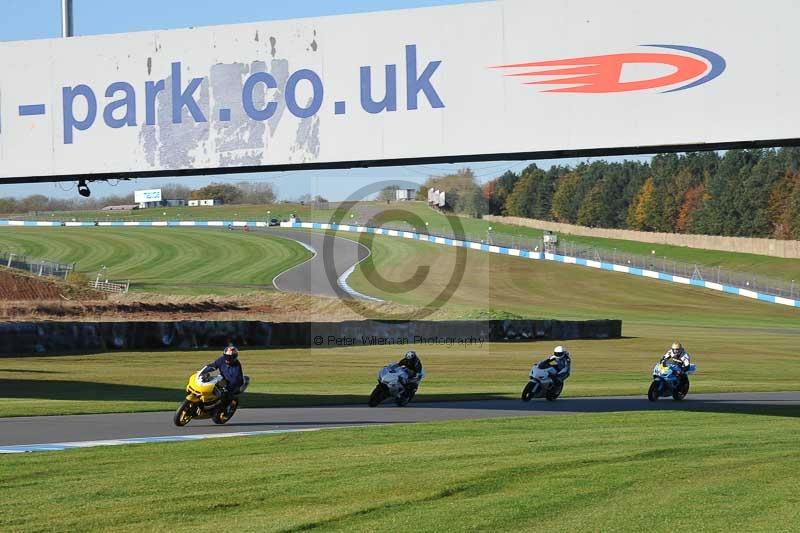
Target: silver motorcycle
392,383
542,383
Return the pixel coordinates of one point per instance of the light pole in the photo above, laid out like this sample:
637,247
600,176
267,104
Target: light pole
67,28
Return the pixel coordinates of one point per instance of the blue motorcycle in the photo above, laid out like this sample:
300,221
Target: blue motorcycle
669,379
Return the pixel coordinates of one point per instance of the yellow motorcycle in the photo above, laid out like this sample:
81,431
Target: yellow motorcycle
203,400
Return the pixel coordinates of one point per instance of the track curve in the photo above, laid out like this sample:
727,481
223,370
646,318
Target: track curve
50,429
310,277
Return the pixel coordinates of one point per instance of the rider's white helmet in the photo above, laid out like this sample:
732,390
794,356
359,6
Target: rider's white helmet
677,349
560,351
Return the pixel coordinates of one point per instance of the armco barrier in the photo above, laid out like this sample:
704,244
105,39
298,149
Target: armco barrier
435,240
20,338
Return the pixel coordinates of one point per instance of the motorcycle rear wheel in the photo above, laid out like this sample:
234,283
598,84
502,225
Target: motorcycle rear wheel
681,391
378,395
555,392
404,399
653,391
222,416
183,415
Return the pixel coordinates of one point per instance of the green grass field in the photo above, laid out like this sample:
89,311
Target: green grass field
164,260
656,471
777,268
224,212
550,290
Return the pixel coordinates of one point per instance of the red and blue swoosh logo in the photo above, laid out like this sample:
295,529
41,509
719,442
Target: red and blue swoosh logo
603,74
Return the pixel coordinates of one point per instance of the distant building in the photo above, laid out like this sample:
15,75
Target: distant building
129,207
173,203
205,203
405,195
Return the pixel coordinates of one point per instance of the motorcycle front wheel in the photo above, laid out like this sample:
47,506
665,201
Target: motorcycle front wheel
222,416
184,414
653,391
378,395
527,392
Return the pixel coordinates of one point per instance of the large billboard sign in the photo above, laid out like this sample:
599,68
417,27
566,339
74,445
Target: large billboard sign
491,80
143,197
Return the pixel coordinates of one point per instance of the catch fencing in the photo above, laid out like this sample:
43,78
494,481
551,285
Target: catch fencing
37,267
692,271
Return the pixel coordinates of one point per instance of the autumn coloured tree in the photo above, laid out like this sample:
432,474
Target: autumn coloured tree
691,199
641,215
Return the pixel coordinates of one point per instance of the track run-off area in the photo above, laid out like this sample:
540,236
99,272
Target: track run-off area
28,434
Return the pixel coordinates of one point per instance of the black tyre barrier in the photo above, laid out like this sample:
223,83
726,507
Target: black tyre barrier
20,338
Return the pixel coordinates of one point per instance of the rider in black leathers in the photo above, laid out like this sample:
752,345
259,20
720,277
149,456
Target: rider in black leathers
231,369
413,366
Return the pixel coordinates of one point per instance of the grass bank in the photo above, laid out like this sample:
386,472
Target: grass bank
164,260
414,273
602,472
363,212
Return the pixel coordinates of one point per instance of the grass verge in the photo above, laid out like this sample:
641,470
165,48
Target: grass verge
601,472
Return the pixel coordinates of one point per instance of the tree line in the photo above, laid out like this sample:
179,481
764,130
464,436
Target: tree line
239,193
747,193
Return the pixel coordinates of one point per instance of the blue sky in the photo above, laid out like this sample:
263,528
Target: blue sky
38,19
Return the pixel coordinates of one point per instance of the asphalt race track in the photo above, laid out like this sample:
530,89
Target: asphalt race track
53,429
310,277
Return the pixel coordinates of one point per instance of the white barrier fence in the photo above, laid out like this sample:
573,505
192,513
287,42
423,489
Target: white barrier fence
110,286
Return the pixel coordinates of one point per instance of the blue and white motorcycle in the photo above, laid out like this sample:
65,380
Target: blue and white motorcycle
669,379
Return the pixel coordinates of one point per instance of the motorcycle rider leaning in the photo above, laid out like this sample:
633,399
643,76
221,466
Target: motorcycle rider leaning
413,366
561,361
679,355
231,369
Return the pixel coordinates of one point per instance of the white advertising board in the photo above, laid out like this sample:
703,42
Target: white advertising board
151,195
489,79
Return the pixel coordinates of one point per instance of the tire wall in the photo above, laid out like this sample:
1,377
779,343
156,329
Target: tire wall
18,338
